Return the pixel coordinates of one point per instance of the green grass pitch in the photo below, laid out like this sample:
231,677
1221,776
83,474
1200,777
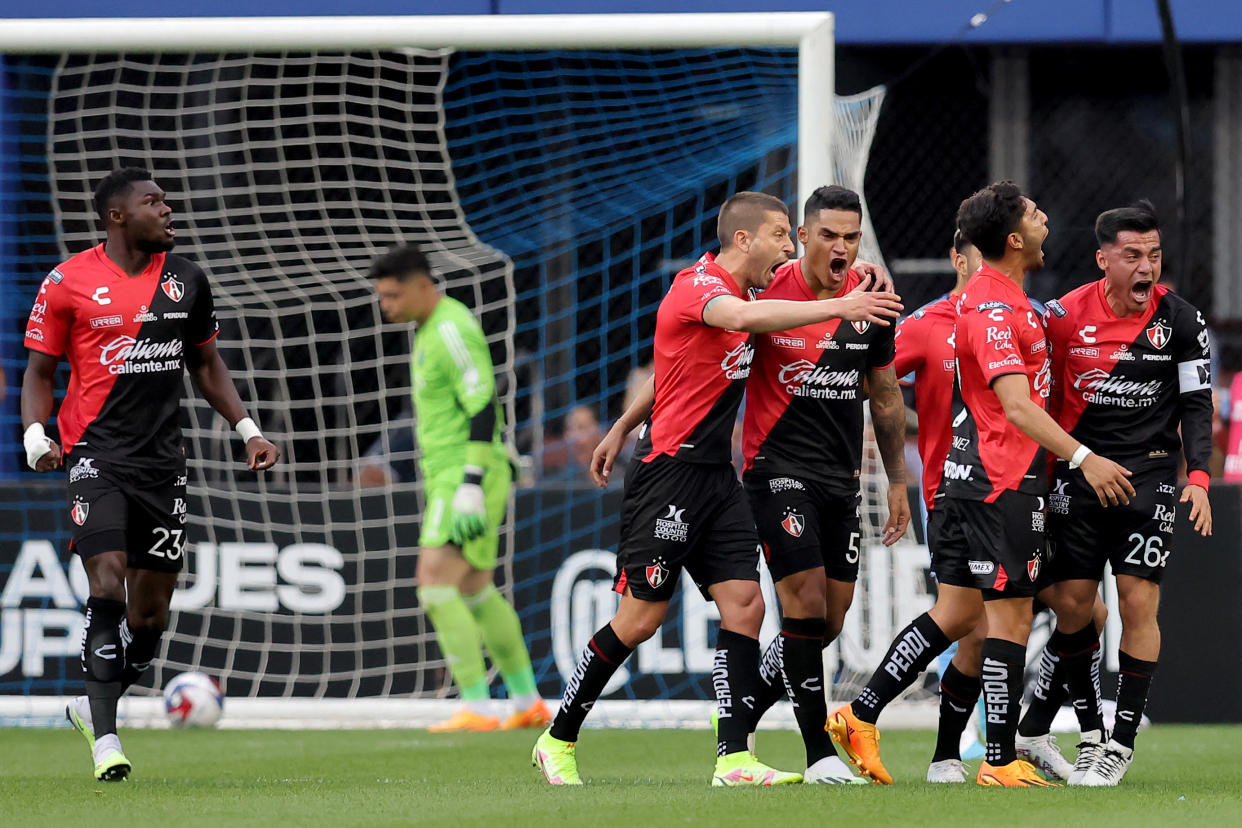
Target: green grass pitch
1188,776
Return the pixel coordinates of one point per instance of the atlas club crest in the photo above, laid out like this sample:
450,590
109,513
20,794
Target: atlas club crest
657,573
1032,568
173,288
861,325
79,511
1158,334
793,523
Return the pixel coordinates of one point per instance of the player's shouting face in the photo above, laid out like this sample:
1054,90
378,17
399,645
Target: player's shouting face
831,240
1033,230
145,217
1131,266
769,248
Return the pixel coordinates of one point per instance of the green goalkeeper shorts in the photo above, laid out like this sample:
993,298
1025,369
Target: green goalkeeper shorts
438,516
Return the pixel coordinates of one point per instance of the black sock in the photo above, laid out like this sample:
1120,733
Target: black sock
958,694
103,660
140,647
735,678
1003,663
1080,654
910,653
771,679
1133,682
601,658
802,647
1047,697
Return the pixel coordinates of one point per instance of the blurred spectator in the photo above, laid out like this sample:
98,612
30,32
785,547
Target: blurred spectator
384,465
568,457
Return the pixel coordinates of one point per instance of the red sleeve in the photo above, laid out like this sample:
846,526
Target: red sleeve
911,342
694,291
51,318
993,336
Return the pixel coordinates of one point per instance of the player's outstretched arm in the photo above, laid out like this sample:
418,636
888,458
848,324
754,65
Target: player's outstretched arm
42,453
212,378
1104,476
888,415
605,454
860,304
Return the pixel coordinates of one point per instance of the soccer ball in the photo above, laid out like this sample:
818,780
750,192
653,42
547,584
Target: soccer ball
193,700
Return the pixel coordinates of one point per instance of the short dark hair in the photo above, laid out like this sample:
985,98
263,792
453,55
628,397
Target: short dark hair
403,262
960,242
988,217
832,197
117,183
1139,217
745,211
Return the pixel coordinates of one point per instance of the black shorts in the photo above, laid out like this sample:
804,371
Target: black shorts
139,512
995,547
678,515
804,524
1136,539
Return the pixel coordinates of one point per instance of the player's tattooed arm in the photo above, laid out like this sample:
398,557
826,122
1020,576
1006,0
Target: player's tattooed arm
37,386
212,377
605,454
888,414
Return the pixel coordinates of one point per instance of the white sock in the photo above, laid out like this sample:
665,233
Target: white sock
83,707
830,766
106,745
526,701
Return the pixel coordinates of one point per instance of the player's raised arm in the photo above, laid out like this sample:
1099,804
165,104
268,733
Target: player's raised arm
212,378
42,452
859,305
605,454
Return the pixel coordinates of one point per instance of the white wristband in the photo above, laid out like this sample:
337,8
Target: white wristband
1080,454
37,444
247,429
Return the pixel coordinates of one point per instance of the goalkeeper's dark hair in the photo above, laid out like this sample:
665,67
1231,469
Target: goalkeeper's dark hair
1139,217
404,262
988,217
116,183
746,210
831,197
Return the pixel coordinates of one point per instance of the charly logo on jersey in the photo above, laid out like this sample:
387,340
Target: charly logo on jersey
803,378
83,469
657,573
1158,333
79,510
736,363
172,288
672,527
793,523
145,315
101,296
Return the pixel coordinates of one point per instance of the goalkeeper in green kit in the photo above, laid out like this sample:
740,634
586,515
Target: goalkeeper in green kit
466,479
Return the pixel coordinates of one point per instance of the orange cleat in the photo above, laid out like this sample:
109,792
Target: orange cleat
466,721
537,715
861,742
1017,774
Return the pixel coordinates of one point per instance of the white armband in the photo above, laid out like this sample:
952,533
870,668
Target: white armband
247,429
1080,454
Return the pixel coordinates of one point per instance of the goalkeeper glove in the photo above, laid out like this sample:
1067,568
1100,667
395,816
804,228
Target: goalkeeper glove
469,508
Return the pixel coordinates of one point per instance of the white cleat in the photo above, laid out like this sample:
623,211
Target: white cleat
946,770
1110,767
832,771
1090,749
1043,753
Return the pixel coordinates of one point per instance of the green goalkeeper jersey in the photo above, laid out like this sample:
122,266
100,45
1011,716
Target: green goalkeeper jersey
452,379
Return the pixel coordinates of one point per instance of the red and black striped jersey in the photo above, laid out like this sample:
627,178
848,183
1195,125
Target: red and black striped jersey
700,371
925,346
1123,385
997,333
804,415
124,338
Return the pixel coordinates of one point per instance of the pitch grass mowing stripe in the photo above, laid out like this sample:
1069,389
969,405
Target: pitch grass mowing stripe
1182,776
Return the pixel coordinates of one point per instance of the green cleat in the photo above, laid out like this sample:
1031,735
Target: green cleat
78,712
741,768
113,768
556,759
714,719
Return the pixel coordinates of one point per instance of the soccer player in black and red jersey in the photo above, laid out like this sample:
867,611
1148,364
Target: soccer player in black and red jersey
802,444
130,317
990,541
684,507
1130,366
